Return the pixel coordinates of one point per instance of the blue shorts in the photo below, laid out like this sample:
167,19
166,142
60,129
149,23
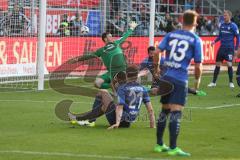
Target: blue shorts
225,54
179,93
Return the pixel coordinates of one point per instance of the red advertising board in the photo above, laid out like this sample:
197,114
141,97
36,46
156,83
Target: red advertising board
74,3
20,50
3,5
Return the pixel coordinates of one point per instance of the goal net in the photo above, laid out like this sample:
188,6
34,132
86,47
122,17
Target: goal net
20,26
18,38
64,38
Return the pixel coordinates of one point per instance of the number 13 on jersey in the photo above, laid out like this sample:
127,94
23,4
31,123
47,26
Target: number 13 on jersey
178,49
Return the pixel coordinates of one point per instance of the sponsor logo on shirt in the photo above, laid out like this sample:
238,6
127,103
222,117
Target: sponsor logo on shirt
172,64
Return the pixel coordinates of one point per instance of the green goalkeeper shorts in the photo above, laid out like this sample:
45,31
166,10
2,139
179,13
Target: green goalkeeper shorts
106,77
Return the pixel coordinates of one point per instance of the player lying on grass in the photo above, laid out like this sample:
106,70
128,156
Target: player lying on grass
181,46
130,97
111,55
147,66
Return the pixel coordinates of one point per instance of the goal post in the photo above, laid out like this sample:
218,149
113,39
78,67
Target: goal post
152,19
41,44
37,46
26,59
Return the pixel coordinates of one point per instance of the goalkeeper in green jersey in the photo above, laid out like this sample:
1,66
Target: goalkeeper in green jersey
111,55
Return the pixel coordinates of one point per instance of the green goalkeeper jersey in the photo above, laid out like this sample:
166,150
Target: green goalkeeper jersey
112,55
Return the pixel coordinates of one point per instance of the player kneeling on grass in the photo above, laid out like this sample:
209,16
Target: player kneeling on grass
111,55
130,97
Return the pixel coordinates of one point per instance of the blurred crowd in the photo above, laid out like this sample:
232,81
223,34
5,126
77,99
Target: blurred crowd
164,23
70,27
14,22
167,18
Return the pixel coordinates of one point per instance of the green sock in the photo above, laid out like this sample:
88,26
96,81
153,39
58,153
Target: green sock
105,86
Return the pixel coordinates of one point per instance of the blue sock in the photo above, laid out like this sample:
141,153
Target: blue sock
230,74
161,125
215,74
97,103
174,127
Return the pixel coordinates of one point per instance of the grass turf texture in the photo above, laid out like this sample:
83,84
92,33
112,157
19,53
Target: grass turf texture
30,130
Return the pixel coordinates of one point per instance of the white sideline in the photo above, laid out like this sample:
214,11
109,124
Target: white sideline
216,107
224,106
34,101
78,102
62,154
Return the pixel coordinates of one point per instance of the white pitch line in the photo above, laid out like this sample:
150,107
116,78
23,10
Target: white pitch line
78,102
216,107
62,154
209,75
224,106
35,101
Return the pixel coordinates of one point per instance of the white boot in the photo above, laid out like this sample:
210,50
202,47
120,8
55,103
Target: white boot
212,84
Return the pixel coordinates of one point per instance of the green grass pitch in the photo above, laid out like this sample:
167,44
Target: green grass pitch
30,130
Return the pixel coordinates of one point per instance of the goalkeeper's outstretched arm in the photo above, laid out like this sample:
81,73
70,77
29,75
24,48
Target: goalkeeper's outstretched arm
132,26
84,57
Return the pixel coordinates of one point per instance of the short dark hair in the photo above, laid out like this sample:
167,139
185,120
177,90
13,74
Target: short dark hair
104,35
188,17
121,77
151,48
132,72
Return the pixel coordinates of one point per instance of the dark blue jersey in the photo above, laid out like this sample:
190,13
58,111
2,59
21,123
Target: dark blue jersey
147,63
227,33
181,46
131,95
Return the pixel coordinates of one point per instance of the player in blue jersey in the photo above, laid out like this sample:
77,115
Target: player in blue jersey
147,66
130,97
147,63
228,31
181,47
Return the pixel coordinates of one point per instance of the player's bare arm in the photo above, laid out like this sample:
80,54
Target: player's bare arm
151,114
156,63
198,73
119,111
